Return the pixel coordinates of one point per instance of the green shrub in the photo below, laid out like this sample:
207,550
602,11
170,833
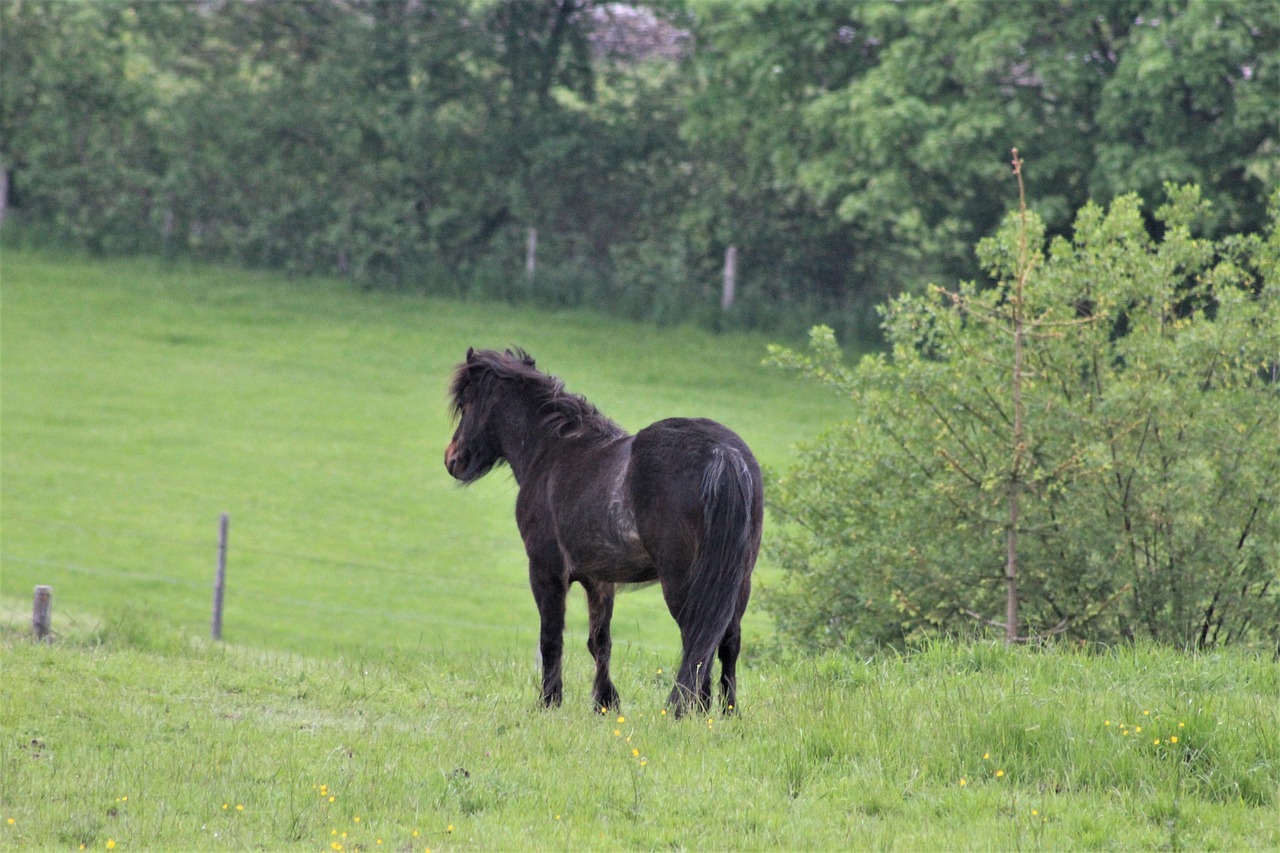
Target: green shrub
1141,462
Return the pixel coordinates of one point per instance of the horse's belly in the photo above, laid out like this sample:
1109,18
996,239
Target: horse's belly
611,559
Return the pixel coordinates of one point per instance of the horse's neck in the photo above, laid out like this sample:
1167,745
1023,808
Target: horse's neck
524,442
530,447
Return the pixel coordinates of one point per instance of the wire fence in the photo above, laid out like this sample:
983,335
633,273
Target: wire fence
408,566
310,604
251,568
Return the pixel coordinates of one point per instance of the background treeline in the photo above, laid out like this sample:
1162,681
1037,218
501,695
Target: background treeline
849,151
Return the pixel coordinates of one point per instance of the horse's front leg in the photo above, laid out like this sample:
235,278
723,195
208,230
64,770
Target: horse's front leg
600,642
549,591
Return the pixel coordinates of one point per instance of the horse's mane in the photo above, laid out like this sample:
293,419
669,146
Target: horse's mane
564,414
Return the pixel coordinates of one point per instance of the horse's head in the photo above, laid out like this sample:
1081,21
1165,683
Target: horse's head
476,404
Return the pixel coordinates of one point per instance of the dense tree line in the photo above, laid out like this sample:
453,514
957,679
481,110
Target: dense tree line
849,151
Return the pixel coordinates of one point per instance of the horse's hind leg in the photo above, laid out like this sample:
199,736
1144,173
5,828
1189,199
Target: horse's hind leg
729,648
692,690
600,642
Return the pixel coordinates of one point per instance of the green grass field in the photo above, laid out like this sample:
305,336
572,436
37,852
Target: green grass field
378,691
143,741
140,401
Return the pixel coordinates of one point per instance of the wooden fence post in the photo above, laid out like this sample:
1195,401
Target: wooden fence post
531,253
730,278
220,581
42,612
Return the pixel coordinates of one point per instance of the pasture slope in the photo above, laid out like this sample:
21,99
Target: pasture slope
142,400
378,691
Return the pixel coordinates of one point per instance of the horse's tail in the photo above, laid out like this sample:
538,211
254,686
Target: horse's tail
725,558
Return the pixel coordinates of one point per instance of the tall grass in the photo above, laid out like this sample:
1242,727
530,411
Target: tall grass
955,747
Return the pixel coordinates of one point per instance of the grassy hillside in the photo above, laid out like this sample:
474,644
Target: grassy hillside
141,400
378,689
142,741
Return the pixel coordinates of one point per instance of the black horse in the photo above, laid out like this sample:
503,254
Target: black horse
681,502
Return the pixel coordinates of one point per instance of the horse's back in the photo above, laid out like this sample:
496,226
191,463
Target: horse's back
670,461
682,447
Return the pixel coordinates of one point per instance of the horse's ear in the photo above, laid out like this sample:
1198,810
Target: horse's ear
525,358
471,354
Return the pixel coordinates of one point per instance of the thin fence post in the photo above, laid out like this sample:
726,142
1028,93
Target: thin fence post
531,253
42,612
220,581
729,291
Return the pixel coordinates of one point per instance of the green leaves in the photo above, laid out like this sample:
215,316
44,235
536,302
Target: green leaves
1146,471
845,151
891,119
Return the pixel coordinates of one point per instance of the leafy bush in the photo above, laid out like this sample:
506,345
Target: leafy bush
1129,477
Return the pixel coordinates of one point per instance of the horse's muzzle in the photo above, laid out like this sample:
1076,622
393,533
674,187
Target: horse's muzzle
451,458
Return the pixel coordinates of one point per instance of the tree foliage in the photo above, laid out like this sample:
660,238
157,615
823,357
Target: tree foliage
1147,468
892,119
845,151
402,143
